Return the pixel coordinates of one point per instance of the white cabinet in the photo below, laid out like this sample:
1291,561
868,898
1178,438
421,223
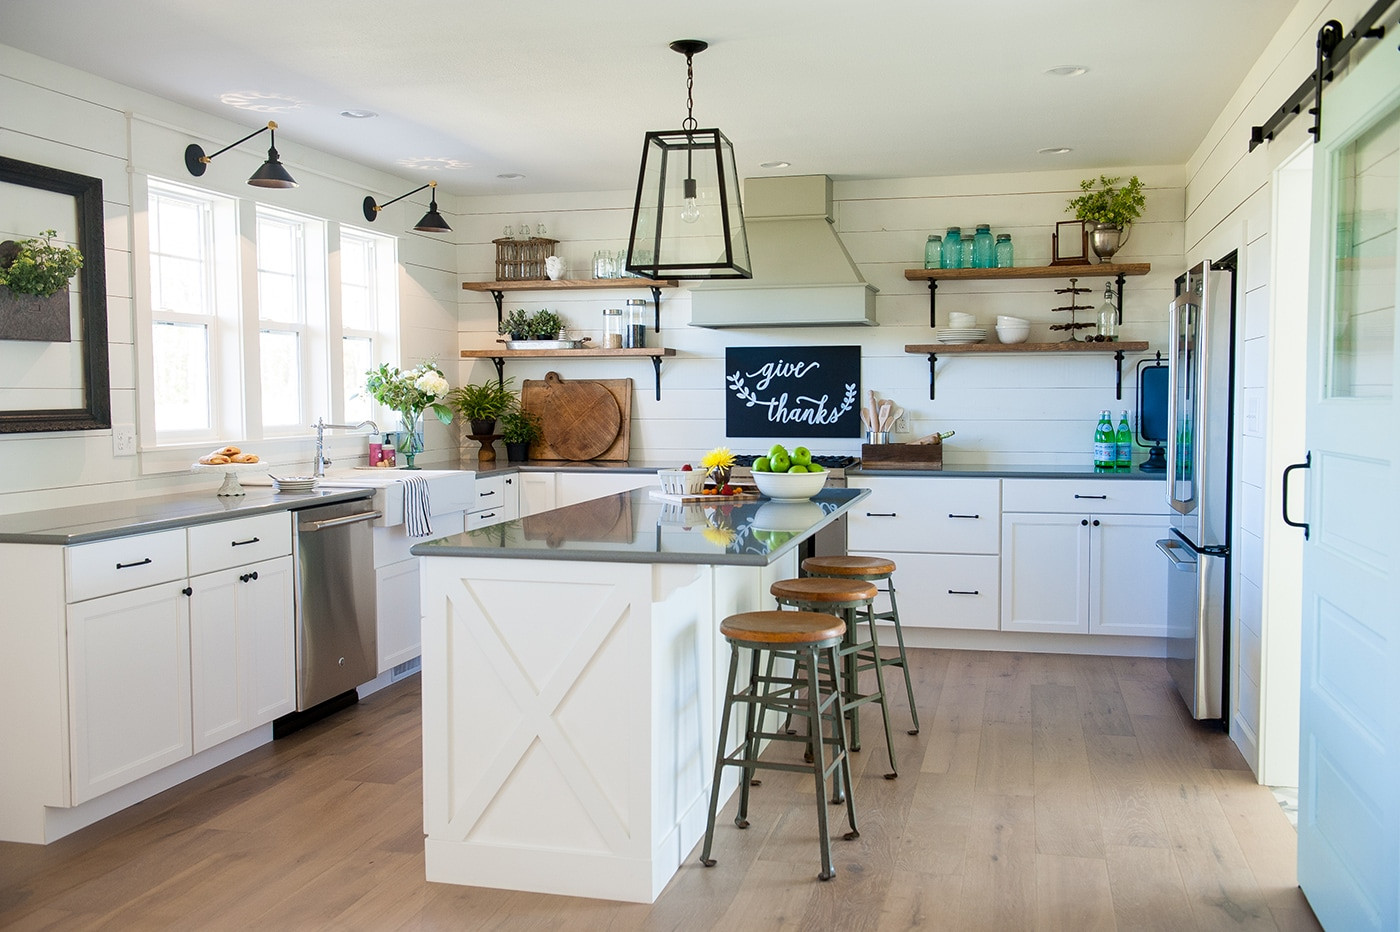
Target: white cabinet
1079,558
536,492
545,491
497,500
944,537
399,633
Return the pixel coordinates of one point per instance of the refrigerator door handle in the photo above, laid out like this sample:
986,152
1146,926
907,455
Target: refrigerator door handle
1173,552
1305,464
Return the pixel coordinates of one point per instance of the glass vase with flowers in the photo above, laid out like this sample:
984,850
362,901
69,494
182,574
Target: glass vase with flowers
410,394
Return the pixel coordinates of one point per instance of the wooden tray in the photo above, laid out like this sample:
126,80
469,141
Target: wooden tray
584,419
901,455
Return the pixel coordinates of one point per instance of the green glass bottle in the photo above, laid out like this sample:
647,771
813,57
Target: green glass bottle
1105,442
1125,443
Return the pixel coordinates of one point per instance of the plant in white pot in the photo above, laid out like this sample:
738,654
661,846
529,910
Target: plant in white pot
1108,209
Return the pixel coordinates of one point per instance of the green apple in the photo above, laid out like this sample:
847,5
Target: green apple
762,464
813,467
779,461
776,450
797,467
802,455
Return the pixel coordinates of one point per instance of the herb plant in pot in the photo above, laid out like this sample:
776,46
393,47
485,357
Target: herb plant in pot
1108,210
483,404
519,429
34,275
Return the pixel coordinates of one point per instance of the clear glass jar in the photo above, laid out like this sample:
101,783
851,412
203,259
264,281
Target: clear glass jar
933,252
634,332
1005,253
1108,315
952,248
966,245
983,252
612,328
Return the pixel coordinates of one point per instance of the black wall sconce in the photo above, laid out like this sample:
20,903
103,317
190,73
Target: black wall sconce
432,221
271,175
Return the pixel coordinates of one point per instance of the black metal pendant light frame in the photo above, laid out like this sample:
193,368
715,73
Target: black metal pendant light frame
688,221
432,221
272,174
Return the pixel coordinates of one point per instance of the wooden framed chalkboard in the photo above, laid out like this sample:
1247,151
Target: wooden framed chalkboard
792,391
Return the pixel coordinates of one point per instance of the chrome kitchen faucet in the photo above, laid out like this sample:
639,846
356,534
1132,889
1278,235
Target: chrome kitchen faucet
319,464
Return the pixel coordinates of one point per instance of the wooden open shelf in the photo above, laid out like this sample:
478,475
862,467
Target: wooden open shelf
498,290
1086,270
934,350
499,356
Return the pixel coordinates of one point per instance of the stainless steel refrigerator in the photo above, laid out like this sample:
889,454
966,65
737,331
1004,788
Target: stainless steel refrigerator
1199,462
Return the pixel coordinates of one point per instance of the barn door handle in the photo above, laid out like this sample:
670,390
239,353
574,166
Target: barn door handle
1305,464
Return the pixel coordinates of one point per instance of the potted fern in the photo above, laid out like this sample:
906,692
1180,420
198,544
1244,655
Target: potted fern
1108,210
35,275
483,404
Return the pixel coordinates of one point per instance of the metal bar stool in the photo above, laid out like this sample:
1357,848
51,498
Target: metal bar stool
811,640
872,570
846,597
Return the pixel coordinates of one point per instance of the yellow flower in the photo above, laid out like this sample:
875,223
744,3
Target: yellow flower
722,536
719,456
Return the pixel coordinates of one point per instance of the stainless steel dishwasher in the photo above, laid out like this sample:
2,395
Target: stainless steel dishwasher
335,608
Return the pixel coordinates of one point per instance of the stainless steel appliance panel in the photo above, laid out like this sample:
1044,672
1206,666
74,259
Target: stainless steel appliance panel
1196,625
337,647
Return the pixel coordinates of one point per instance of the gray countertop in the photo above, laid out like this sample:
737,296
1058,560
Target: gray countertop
80,524
635,527
1016,472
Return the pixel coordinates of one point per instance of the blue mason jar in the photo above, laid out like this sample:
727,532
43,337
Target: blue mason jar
983,253
933,252
952,248
1005,254
967,252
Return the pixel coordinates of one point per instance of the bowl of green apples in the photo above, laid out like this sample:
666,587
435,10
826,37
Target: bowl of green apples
788,477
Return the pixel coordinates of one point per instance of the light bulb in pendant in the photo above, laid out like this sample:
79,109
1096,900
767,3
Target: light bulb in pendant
691,211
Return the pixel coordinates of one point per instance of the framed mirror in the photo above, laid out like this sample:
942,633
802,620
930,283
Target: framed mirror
1070,243
49,386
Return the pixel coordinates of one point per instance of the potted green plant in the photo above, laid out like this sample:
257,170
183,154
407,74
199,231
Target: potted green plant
545,325
516,325
35,275
483,404
1108,209
519,429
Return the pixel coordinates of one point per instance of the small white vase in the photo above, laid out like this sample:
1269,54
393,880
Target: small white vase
554,268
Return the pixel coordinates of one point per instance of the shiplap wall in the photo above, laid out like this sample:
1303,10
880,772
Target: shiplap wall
1230,205
56,116
1005,409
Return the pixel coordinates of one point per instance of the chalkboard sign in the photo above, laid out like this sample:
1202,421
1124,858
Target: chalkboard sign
792,391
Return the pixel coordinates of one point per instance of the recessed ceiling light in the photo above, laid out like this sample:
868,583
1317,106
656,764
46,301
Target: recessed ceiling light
779,164
510,176
1054,150
358,114
259,102
434,163
1067,71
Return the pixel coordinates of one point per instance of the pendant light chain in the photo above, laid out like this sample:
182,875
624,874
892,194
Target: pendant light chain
689,93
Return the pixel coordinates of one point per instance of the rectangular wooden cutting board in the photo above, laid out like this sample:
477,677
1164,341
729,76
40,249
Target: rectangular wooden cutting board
539,396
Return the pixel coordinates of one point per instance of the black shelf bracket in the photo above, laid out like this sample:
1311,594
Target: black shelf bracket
932,303
500,297
1333,47
656,367
1121,279
656,305
1118,362
932,367
500,364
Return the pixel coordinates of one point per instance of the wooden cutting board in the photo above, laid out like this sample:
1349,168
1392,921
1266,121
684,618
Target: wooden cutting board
583,419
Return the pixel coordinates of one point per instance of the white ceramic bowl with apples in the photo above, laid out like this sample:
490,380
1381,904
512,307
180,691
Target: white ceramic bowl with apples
789,486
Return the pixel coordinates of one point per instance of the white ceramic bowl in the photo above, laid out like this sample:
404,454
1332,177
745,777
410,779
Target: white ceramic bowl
1013,334
790,486
787,516
1005,321
961,321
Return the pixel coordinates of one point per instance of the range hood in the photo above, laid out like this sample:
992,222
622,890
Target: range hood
802,274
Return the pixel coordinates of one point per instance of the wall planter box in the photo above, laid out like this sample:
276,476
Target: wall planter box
30,317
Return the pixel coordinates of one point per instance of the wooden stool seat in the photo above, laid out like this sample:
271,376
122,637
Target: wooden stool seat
790,629
822,589
858,567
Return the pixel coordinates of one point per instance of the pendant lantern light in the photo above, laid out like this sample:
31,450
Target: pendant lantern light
432,221
687,222
272,174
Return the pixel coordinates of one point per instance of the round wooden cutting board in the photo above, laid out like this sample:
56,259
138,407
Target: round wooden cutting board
580,419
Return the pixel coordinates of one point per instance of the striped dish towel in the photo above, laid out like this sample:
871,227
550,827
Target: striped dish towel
415,506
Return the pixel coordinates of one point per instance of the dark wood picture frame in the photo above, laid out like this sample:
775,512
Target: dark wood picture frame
1070,243
96,412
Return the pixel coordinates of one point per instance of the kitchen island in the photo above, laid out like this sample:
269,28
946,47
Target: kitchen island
573,674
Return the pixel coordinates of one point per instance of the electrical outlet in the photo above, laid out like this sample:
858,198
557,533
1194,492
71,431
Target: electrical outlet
123,439
901,424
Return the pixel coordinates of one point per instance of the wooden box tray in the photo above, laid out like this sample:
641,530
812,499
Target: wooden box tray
901,455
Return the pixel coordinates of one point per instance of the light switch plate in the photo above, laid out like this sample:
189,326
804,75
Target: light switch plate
123,439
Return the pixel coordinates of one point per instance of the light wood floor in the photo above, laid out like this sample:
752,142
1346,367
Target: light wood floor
1045,792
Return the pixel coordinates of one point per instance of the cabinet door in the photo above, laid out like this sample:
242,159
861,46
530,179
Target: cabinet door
267,624
400,631
943,590
128,686
1127,575
574,487
217,694
536,492
1045,573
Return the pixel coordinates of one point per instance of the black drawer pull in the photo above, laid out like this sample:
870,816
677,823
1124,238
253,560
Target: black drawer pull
1083,522
879,514
951,515
484,494
127,566
240,543
1096,522
489,514
963,592
1104,497
247,576
510,482
187,591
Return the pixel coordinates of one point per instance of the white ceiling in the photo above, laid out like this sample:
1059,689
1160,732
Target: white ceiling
562,91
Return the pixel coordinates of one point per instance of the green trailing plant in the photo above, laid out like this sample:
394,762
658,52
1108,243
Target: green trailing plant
1104,201
38,267
521,426
485,402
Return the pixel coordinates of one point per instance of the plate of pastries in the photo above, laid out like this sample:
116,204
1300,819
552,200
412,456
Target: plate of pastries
225,456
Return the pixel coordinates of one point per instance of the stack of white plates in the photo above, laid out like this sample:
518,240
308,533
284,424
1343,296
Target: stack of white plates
962,335
294,483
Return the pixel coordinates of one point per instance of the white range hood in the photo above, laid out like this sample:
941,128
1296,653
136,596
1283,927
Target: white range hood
802,274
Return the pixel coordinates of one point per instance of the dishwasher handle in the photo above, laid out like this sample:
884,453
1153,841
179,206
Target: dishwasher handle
1173,550
341,522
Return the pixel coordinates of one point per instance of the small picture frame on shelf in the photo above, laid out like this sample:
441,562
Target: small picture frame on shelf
1070,244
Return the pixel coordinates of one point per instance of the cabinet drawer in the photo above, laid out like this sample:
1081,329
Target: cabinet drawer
489,516
945,590
1084,496
490,492
226,544
124,563
926,515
